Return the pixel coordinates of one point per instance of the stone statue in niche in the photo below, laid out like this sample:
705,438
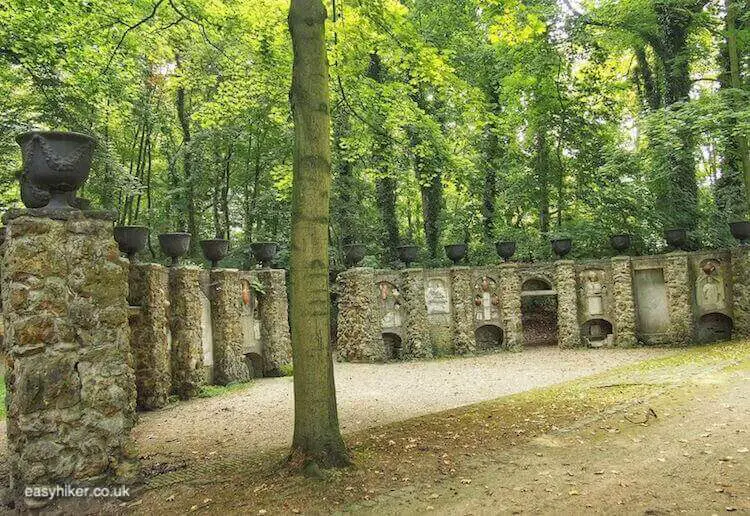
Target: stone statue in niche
390,305
436,296
710,285
250,314
593,291
486,301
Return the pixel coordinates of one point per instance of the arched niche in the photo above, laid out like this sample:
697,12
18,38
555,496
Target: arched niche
393,345
536,285
714,327
489,337
597,332
254,364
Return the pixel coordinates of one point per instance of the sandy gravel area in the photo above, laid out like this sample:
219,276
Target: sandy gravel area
260,416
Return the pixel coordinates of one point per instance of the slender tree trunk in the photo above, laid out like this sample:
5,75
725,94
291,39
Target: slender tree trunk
542,176
187,166
317,439
489,192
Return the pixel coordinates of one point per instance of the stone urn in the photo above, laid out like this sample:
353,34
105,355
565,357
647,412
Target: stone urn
354,254
215,250
676,238
55,163
505,250
131,239
408,254
264,253
741,231
456,252
175,245
562,247
620,243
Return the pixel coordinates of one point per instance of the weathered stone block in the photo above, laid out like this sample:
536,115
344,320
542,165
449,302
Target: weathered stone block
417,343
568,331
624,313
463,311
186,303
510,293
226,300
741,291
273,310
358,338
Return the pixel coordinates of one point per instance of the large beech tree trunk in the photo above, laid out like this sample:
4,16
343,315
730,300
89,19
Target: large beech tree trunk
317,439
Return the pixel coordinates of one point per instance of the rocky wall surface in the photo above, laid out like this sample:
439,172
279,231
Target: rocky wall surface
741,291
416,327
624,302
510,293
462,293
359,334
70,383
149,334
273,309
186,303
225,294
679,295
568,331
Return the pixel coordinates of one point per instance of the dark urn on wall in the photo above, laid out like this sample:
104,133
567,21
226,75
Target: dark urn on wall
562,246
175,245
215,250
354,254
676,238
131,239
264,253
55,164
741,231
506,249
456,252
620,243
408,254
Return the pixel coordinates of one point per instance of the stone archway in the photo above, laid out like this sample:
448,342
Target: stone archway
598,333
488,337
714,327
538,313
393,346
254,364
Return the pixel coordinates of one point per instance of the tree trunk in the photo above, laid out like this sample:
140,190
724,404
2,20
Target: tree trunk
187,167
542,178
489,192
317,439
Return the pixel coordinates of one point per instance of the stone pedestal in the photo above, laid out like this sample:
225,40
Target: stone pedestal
70,383
225,291
568,331
510,293
273,310
741,292
149,334
188,374
624,302
679,295
359,333
462,293
416,327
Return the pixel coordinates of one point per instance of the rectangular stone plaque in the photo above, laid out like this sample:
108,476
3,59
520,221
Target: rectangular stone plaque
651,301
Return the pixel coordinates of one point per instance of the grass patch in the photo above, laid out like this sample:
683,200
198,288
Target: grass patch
211,391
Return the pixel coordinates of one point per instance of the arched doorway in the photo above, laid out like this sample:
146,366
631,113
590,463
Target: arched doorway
714,327
393,346
538,313
488,337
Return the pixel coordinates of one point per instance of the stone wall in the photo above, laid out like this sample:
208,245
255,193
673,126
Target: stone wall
568,331
624,302
679,294
149,334
416,331
70,383
741,291
358,338
510,293
188,374
462,293
229,364
273,308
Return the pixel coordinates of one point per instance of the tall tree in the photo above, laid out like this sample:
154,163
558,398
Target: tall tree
317,438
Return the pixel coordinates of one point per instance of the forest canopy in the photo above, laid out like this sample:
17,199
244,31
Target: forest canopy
452,120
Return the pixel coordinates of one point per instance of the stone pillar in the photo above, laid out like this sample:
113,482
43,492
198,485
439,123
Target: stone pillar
225,291
568,331
510,293
70,382
416,329
624,302
680,298
149,334
273,310
185,294
741,292
462,292
359,333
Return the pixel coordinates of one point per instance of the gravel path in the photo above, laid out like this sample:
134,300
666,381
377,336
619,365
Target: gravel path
261,416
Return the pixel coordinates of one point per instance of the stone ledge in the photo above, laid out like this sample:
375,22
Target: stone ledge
59,214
